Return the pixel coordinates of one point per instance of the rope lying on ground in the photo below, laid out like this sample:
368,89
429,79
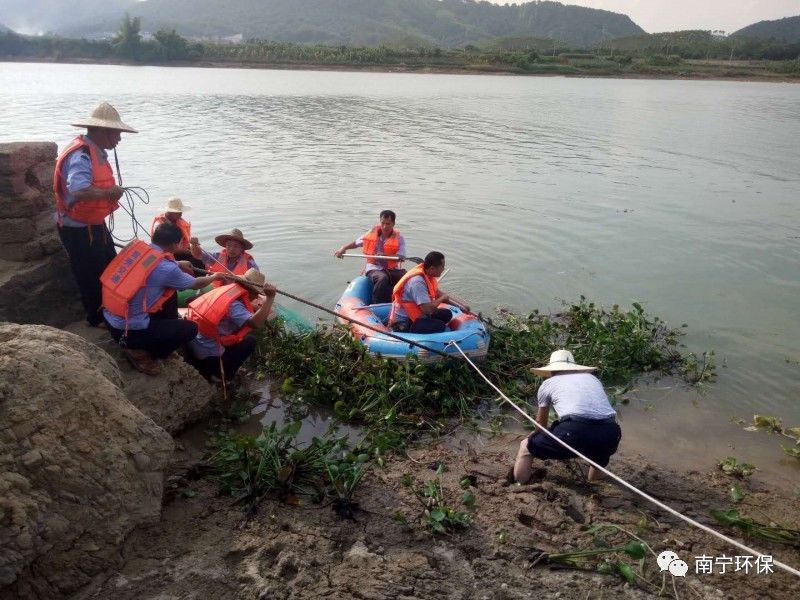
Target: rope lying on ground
621,481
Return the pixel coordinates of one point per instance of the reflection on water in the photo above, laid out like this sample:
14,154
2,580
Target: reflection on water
681,195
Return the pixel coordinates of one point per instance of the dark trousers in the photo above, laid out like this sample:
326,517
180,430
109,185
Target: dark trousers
436,322
164,334
383,283
596,439
90,249
233,358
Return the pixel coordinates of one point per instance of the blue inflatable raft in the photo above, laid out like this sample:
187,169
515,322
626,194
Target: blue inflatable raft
465,329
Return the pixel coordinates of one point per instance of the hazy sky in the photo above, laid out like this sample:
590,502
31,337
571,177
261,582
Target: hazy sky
672,15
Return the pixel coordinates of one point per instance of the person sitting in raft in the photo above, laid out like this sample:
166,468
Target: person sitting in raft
586,419
233,257
139,300
381,240
173,213
226,318
416,299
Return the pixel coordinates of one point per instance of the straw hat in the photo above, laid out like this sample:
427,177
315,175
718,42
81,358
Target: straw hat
561,360
105,115
235,234
255,276
175,205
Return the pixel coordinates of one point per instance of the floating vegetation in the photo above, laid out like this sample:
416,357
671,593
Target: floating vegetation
775,425
328,367
733,467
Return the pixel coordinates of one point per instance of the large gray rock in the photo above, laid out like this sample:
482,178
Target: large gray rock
80,466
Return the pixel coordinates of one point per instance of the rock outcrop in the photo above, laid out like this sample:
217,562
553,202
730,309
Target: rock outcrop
36,285
176,398
80,465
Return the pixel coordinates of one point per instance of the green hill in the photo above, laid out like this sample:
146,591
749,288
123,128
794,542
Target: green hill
446,23
40,16
784,30
665,43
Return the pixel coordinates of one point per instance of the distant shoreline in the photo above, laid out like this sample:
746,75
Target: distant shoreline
687,71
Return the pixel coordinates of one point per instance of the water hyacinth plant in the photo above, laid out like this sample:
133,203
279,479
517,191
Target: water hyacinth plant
327,367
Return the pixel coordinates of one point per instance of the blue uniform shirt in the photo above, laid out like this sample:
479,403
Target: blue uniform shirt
166,275
238,315
415,291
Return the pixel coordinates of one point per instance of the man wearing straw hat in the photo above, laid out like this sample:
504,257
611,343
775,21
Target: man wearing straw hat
586,419
86,193
233,258
225,319
140,305
173,213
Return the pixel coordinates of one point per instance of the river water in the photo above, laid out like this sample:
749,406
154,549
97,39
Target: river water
681,195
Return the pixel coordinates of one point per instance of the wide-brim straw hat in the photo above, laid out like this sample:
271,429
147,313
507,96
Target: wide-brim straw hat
255,277
175,205
561,360
105,115
234,234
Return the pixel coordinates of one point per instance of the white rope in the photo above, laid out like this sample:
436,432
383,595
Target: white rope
631,487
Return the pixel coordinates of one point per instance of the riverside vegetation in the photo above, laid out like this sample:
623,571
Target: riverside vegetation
396,403
679,54
435,518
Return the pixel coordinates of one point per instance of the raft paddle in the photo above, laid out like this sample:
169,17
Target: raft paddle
414,259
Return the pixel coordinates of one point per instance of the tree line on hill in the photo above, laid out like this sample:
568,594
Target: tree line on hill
514,53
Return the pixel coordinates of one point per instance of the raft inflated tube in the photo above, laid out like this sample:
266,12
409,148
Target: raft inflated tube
465,329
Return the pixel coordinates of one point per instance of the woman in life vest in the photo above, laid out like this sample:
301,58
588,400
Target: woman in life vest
86,193
416,299
139,300
381,240
233,258
586,419
225,319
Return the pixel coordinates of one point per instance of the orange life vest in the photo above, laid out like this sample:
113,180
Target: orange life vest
91,212
127,274
412,310
209,309
391,246
182,224
239,269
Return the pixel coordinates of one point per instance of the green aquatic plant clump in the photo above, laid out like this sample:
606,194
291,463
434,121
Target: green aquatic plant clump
327,367
249,467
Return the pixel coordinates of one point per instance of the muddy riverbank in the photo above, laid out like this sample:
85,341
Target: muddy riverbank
206,546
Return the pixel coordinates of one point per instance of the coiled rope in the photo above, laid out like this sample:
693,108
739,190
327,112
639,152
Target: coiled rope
621,481
128,204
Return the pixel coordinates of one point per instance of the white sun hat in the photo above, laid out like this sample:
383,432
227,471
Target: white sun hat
105,115
561,360
175,205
